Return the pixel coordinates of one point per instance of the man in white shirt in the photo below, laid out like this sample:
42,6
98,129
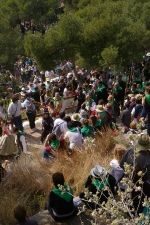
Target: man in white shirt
14,112
61,123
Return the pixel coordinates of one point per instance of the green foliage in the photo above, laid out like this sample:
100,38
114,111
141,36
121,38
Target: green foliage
88,29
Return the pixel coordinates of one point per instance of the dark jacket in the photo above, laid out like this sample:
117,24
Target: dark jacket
80,98
103,194
36,96
143,160
47,123
96,96
138,110
118,95
60,205
126,117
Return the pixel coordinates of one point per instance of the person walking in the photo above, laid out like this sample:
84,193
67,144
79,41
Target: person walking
30,111
14,113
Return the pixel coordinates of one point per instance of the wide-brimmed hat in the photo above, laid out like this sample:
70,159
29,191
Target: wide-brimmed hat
100,108
98,172
143,142
131,95
83,113
148,54
75,117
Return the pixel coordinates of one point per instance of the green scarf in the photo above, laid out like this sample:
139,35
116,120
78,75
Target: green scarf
67,195
89,102
118,89
102,114
101,184
87,130
118,81
147,97
73,129
55,144
101,88
98,123
56,100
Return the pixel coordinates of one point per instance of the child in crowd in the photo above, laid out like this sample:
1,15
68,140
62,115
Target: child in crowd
52,144
116,171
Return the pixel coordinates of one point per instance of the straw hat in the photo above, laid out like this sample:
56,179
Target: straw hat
100,108
131,95
143,142
139,96
75,117
98,172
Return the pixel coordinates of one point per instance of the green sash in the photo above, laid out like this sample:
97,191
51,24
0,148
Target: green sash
147,97
67,195
101,184
55,144
73,129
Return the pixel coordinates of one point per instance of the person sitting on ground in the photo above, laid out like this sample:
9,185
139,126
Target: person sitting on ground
20,215
133,128
20,140
97,186
47,125
87,130
116,171
60,204
53,143
73,136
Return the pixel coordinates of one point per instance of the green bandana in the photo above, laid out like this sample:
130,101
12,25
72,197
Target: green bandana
147,97
101,88
73,129
55,144
56,100
118,89
101,184
87,130
98,123
89,102
67,195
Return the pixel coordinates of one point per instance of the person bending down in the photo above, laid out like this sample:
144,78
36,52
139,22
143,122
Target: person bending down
52,144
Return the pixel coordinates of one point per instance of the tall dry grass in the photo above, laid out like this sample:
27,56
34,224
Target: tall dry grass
31,178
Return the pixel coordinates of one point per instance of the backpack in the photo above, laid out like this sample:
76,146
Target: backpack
56,130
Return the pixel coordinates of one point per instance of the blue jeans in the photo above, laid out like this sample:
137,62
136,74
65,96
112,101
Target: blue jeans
17,121
45,155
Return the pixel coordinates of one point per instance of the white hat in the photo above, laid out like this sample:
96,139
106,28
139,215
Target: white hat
148,54
98,172
23,89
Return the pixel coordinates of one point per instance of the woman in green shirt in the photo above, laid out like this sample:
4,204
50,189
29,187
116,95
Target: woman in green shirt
87,130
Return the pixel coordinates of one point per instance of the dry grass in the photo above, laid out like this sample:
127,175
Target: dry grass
30,182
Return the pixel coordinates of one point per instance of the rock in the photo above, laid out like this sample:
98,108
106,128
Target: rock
44,218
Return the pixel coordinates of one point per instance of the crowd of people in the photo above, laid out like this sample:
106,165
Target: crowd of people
102,99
